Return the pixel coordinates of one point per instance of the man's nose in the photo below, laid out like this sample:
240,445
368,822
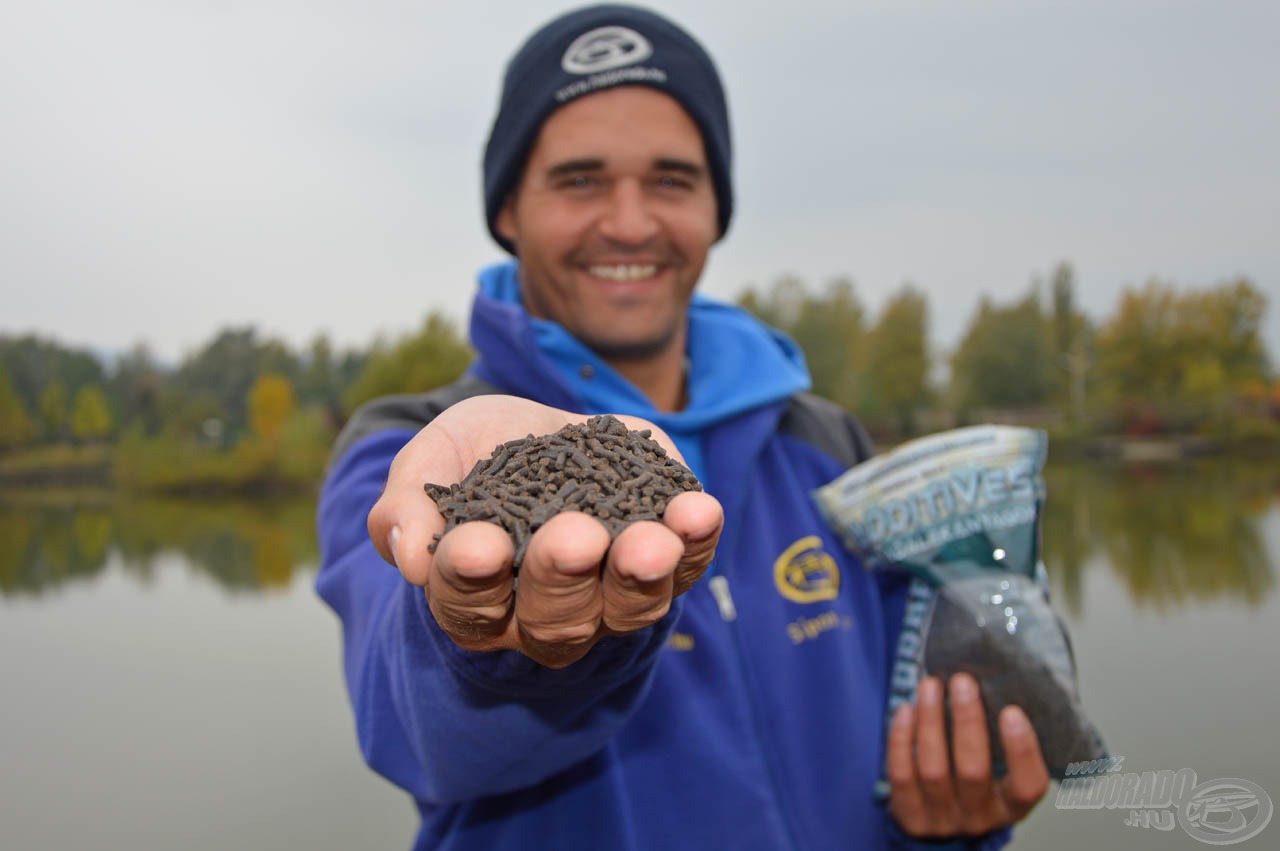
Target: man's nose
628,217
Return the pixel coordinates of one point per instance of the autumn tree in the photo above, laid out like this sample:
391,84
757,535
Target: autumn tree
1224,323
220,375
1180,357
90,414
271,402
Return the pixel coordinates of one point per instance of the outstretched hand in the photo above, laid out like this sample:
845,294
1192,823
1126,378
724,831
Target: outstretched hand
936,791
575,587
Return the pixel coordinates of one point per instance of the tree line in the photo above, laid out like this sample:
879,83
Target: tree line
238,384
1169,359
244,410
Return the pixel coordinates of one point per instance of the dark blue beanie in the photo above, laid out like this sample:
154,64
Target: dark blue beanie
596,48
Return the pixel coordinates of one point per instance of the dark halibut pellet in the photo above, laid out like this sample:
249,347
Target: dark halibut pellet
599,467
1008,671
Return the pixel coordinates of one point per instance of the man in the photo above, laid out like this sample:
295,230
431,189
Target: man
716,680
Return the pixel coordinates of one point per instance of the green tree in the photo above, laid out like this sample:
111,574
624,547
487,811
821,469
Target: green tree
327,375
224,370
779,305
34,363
431,358
16,427
90,414
829,328
897,361
1005,359
1064,307
1071,344
318,381
271,402
135,387
53,410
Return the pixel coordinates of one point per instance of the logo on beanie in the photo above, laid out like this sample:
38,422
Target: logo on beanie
604,48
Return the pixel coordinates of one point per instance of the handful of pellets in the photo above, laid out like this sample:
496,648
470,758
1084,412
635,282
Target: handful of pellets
599,467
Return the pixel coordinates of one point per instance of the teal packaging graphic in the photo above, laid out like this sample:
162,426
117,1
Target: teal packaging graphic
960,512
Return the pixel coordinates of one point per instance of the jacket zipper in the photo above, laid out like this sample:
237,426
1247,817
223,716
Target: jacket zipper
719,586
724,600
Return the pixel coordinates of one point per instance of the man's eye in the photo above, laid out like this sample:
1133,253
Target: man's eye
579,181
668,181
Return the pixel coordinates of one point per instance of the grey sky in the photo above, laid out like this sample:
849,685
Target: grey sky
168,168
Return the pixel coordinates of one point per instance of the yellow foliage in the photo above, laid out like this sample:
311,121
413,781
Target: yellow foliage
90,414
270,404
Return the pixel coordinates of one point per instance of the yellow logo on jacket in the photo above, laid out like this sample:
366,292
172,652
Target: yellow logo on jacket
805,573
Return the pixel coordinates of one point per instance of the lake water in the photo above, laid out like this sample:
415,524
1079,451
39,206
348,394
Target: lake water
171,680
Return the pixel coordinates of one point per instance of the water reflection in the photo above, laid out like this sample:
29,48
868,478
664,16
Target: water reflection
50,540
1173,533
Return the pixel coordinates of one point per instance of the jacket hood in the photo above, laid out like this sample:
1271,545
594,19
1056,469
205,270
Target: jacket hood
736,363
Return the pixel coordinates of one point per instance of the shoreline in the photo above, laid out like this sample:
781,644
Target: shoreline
48,468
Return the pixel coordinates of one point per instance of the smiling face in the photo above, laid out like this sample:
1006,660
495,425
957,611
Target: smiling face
612,221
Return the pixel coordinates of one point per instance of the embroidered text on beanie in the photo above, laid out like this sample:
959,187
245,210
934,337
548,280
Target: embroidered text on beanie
596,48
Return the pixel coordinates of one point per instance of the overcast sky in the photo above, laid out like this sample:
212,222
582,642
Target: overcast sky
170,168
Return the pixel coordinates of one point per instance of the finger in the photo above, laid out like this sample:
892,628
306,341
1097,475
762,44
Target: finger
470,591
558,599
1028,777
933,763
443,453
636,585
404,521
697,518
401,527
905,798
971,749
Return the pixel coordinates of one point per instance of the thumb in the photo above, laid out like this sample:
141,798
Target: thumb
404,521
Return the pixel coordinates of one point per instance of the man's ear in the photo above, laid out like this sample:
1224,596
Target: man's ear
506,221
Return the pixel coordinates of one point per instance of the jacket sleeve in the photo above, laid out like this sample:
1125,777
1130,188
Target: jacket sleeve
444,723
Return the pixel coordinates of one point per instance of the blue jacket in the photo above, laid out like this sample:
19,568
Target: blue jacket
751,717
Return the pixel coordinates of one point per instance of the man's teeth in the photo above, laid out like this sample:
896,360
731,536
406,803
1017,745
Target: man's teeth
631,272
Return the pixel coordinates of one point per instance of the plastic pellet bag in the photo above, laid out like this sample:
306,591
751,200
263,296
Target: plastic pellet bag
960,512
